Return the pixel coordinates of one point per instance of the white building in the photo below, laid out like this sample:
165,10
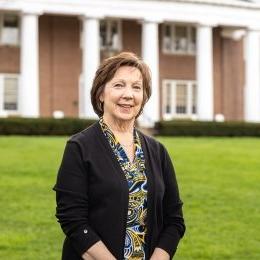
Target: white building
204,55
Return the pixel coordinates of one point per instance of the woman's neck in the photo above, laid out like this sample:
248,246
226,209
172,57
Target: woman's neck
119,126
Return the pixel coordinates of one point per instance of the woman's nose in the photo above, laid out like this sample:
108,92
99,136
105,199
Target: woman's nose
128,92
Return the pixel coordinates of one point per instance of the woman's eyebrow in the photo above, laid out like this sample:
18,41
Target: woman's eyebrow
117,81
123,81
138,81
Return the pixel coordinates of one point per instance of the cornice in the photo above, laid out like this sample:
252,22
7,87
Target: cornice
207,12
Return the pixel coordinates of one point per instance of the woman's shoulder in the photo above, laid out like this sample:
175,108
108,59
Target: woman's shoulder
151,142
87,135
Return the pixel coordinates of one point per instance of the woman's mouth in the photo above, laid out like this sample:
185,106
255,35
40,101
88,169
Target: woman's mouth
125,105
125,108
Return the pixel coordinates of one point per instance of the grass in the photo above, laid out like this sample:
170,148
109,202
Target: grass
219,181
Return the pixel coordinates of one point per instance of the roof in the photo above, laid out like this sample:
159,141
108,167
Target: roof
233,3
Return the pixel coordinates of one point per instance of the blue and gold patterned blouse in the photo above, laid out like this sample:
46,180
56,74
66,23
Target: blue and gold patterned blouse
137,184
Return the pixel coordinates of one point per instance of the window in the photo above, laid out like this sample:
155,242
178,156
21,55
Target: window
168,105
9,29
9,92
179,99
110,35
179,39
194,99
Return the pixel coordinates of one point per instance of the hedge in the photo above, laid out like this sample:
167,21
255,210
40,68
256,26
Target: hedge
198,128
70,126
42,126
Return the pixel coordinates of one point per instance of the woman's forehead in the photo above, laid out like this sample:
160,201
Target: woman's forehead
128,72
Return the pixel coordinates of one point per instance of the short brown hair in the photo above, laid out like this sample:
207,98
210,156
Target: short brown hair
106,72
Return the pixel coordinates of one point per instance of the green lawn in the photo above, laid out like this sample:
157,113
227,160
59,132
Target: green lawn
219,180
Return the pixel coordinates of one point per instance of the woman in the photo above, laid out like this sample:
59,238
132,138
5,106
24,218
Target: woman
117,195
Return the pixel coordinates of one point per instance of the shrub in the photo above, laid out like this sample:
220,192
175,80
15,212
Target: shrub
42,126
198,128
70,126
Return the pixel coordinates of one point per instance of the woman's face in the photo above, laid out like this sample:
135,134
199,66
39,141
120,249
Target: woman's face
123,94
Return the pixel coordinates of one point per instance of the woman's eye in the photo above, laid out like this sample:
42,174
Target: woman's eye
137,87
118,85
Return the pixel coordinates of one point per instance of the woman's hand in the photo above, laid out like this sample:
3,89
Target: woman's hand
160,254
98,252
86,256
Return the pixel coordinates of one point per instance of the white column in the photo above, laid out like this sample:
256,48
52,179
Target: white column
151,56
204,71
252,76
91,60
28,104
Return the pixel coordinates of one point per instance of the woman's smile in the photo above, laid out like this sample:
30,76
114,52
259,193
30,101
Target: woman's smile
125,108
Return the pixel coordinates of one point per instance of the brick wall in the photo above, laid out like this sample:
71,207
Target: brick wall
233,74
131,36
228,76
60,64
9,59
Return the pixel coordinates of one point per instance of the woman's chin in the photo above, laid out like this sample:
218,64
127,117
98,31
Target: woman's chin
126,117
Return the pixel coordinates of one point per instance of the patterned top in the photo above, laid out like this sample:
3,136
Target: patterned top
137,184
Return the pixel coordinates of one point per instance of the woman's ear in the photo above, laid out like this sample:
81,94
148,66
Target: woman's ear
101,98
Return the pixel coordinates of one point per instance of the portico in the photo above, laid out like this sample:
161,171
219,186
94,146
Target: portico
174,94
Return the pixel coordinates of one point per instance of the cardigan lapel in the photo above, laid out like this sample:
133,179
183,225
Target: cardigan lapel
104,142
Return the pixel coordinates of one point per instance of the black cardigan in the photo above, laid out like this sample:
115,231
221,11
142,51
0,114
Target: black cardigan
92,196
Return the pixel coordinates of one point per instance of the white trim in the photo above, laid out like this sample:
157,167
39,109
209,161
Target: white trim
233,34
29,96
150,54
232,3
2,77
175,11
204,73
252,77
173,114
90,61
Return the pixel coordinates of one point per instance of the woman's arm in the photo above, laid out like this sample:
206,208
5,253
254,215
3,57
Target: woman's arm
174,226
72,201
160,254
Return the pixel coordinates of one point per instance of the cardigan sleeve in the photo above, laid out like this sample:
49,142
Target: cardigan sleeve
72,199
173,220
